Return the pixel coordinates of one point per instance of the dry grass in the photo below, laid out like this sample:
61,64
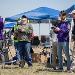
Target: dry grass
37,69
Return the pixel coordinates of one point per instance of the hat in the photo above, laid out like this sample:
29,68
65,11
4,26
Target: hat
63,13
24,16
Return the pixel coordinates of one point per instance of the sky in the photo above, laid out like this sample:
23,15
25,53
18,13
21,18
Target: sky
13,7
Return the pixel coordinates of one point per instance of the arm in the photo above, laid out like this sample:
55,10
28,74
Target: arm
31,32
15,33
30,29
56,30
66,29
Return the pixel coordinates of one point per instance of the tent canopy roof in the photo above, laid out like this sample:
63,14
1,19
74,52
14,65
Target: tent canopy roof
9,25
69,10
39,13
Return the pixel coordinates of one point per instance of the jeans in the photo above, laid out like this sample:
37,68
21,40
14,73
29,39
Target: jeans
1,44
17,50
65,47
24,51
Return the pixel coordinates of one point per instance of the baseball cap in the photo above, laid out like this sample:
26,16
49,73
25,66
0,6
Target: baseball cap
63,13
24,16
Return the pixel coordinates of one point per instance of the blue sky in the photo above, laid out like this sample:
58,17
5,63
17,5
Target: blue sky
12,7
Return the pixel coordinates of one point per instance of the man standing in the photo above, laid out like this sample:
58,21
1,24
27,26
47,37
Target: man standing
23,33
62,31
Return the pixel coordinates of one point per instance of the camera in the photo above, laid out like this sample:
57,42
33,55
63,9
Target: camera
53,27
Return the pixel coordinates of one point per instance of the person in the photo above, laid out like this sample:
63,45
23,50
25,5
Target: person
54,48
72,38
62,31
15,39
23,34
73,28
1,35
1,32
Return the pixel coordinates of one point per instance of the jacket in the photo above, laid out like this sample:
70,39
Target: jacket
63,34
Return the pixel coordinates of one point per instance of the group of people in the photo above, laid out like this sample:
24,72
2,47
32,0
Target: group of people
23,34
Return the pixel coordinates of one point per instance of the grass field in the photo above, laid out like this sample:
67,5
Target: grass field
37,69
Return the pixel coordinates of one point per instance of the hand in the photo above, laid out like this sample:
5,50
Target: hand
57,29
23,30
19,30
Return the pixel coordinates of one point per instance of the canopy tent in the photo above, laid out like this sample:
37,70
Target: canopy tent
9,25
30,14
69,10
51,12
38,14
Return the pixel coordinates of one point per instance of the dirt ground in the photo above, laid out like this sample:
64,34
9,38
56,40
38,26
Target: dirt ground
37,69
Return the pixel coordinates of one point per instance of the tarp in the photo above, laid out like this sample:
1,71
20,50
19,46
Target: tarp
39,13
69,10
9,25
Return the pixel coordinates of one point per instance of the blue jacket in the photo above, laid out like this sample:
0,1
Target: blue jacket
63,34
